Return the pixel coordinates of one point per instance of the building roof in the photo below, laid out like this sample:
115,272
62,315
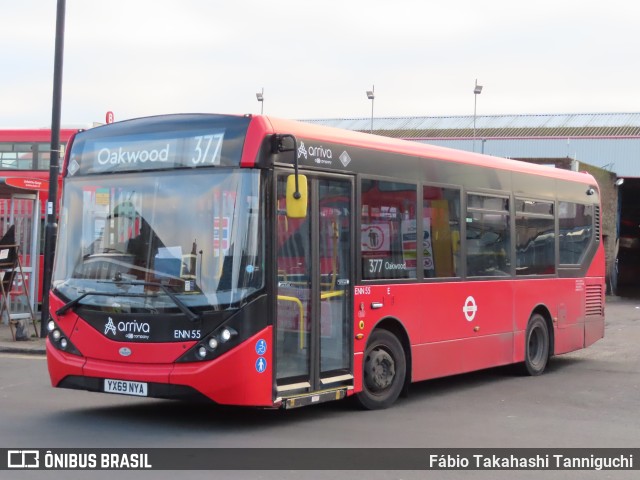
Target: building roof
606,140
570,125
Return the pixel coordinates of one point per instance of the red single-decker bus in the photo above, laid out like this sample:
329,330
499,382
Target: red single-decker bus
256,261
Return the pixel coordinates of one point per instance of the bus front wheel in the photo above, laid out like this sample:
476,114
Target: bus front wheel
536,353
384,371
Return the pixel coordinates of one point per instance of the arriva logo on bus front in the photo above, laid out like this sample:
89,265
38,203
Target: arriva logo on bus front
106,155
127,328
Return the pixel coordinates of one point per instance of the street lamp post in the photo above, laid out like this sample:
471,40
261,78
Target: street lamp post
51,227
476,91
371,96
260,97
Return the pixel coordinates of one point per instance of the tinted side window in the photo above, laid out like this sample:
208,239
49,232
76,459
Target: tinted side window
488,238
535,238
388,237
576,230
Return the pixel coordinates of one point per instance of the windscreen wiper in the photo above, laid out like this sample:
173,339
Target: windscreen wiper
191,315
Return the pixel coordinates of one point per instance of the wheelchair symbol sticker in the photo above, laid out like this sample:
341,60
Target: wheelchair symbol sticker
261,347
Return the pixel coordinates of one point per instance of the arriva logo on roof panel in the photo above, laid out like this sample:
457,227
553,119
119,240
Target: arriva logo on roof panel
321,155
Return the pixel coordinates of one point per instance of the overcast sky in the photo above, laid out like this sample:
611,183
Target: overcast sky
316,59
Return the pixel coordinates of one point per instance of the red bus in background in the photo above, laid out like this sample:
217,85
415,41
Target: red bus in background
24,180
256,261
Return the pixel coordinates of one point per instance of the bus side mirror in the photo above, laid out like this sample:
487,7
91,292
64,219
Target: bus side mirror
297,207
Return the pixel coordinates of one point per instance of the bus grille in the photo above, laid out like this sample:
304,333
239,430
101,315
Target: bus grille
594,306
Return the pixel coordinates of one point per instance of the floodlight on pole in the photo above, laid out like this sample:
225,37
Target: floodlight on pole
371,96
260,98
476,91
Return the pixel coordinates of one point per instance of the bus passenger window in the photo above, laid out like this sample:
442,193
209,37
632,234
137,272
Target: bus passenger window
576,230
535,238
488,238
441,232
388,236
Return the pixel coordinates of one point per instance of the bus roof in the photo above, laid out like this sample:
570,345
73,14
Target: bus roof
418,149
259,126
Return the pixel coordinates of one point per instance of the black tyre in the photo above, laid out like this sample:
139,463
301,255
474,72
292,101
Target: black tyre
536,354
384,371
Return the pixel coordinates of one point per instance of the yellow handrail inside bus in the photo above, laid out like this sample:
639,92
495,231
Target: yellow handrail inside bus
301,322
325,295
334,257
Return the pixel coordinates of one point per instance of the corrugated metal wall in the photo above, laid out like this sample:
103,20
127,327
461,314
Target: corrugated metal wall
621,156
605,140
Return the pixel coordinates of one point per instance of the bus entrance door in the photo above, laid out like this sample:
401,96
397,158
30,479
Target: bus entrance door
313,326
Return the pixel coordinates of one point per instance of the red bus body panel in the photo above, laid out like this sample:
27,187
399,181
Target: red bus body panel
445,342
154,362
105,349
25,135
62,364
231,379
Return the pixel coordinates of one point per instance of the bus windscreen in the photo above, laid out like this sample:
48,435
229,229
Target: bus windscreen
128,235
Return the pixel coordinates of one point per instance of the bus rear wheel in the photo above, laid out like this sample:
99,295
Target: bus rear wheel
384,371
536,354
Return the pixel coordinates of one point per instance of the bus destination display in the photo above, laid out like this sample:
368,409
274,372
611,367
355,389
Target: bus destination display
199,149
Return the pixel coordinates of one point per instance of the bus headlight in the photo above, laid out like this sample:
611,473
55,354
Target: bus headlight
221,333
212,346
58,339
225,335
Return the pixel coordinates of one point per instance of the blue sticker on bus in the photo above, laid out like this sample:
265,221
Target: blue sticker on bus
261,347
261,365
